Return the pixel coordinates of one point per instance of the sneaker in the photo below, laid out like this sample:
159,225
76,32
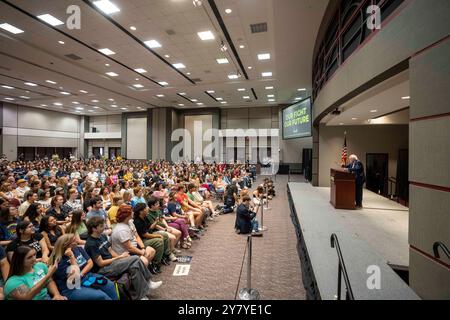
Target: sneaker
154,285
193,229
172,257
145,298
176,251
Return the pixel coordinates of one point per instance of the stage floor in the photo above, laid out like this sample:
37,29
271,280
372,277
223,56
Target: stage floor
382,223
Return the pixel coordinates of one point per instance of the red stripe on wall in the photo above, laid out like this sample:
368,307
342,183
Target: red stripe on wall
430,186
431,257
436,116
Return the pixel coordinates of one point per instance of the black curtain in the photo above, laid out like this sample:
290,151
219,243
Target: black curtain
402,189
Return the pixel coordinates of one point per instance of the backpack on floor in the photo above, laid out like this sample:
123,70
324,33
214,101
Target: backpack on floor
123,287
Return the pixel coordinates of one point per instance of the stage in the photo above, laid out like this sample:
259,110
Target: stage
376,235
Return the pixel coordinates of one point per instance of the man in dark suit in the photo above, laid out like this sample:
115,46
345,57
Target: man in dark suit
246,219
356,167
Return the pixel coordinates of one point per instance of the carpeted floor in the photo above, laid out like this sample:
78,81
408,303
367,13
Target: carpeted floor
218,256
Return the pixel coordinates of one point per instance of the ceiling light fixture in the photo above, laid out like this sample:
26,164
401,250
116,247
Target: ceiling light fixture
302,89
373,111
31,84
269,88
233,76
10,99
61,42
160,95
83,91
219,99
179,65
266,74
133,28
152,44
57,103
65,93
223,102
163,83
51,20
228,11
138,85
206,35
106,51
94,101
222,60
264,56
197,3
140,70
406,98
223,47
246,97
50,81
106,6
10,28
24,97
241,89
167,56
112,74
242,46
7,87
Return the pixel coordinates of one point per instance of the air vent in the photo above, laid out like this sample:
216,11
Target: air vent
197,80
73,56
170,32
259,27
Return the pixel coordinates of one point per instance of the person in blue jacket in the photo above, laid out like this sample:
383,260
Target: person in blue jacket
357,168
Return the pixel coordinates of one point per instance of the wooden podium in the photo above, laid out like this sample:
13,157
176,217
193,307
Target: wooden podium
342,189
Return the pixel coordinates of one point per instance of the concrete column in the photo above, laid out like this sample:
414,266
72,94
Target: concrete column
429,171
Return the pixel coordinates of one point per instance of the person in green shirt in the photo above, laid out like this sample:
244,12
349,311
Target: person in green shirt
29,280
159,226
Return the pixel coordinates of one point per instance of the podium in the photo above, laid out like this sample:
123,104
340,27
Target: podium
342,189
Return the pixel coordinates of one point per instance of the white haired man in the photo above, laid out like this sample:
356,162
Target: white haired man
356,167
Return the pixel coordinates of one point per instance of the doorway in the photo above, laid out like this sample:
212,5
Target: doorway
114,152
98,152
377,173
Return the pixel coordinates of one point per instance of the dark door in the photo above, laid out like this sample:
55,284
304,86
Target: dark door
402,185
307,164
377,173
114,152
98,152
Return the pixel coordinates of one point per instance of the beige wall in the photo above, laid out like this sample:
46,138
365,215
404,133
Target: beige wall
360,141
34,127
190,125
109,123
137,138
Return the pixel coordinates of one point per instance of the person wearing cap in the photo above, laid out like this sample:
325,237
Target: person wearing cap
22,188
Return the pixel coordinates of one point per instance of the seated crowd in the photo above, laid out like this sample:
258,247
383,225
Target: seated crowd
84,230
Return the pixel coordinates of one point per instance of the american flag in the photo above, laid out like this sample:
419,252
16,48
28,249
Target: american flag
344,153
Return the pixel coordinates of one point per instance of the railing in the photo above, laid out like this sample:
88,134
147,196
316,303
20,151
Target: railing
341,271
444,248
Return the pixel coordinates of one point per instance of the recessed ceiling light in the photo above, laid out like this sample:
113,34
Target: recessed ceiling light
167,56
223,102
94,101
133,28
266,74
75,102
83,91
302,89
271,100
242,46
219,99
96,107
160,95
206,35
107,64
140,70
298,98
233,76
246,97
373,111
163,83
7,87
241,89
269,88
341,124
354,118
140,108
123,108
250,68
137,79
50,19
179,65
24,97
111,99
106,6
194,100
228,11
182,93
112,74
91,110
31,84
152,44
406,98
57,103
79,108
138,85
181,105
43,105
188,73
10,28
199,103
106,51
10,99
222,60
264,56
113,106
65,93
210,91
50,81
61,42
270,95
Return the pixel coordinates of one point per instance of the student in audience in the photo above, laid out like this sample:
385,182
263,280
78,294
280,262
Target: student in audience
9,217
156,241
187,205
98,211
112,212
6,191
107,262
51,231
176,219
4,271
26,236
125,238
30,279
34,214
104,194
127,197
74,267
73,203
45,199
58,211
30,197
22,188
138,196
78,227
